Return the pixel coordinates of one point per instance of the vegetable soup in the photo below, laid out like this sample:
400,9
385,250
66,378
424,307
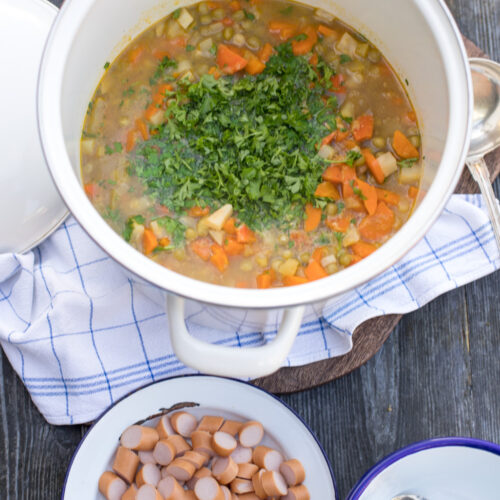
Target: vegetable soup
252,144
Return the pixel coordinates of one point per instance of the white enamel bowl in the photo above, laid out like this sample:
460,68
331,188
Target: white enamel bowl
420,39
438,469
285,430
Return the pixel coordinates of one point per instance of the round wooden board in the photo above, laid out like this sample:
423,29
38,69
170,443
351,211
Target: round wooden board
369,337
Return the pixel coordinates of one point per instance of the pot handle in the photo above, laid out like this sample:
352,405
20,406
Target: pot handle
244,362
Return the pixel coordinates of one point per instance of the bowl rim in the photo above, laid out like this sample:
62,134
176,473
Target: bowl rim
427,444
197,375
453,54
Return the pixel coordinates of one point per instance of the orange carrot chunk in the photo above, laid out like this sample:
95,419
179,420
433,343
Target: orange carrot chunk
387,196
339,224
326,31
368,195
294,280
198,211
338,85
373,165
363,249
314,271
264,280
201,247
245,235
327,190
412,192
131,140
90,189
229,61
362,128
284,29
266,52
142,128
219,258
329,138
149,241
333,174
233,247
403,146
254,66
301,47
313,217
230,226
318,253
377,226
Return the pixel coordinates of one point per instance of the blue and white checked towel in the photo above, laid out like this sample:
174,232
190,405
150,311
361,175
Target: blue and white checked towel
81,334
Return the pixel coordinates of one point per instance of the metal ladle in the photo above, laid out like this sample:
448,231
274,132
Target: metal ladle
485,131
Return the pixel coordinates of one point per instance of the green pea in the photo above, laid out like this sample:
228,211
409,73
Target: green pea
228,33
345,259
332,209
379,142
218,14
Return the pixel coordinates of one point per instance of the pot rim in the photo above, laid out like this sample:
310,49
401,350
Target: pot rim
69,186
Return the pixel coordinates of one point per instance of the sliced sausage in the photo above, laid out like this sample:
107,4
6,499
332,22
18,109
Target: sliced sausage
181,469
183,423
297,493
257,484
112,486
247,471
149,474
274,483
203,472
223,443
197,458
140,438
189,495
180,444
251,434
231,427
210,423
240,486
207,488
164,452
146,457
164,427
202,442
148,492
293,472
248,496
131,493
267,458
225,469
242,455
126,463
227,494
170,489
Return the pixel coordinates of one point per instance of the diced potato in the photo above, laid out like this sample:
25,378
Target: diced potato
217,236
159,29
387,163
347,45
326,152
202,227
206,45
183,66
351,236
347,110
246,266
185,19
410,175
362,49
329,259
136,236
289,267
88,146
173,29
323,15
219,217
158,230
158,118
261,260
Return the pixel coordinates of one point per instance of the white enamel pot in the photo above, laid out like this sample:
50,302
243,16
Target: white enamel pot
420,39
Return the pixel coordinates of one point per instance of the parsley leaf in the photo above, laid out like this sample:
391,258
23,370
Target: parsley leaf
301,37
190,48
107,65
287,11
249,15
344,58
165,64
409,162
131,223
174,228
176,14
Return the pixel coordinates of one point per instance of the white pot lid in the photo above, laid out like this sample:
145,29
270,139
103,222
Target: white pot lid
30,205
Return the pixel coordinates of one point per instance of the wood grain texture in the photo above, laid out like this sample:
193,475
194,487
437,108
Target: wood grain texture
436,375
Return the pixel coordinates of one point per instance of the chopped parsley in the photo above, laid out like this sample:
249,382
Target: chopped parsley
165,64
409,162
287,11
176,14
249,15
107,65
324,239
351,157
301,37
190,48
340,206
213,50
131,223
174,228
344,58
117,148
128,92
356,190
112,215
248,141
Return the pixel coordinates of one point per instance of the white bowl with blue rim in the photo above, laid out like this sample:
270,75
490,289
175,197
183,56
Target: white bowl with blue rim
451,468
232,399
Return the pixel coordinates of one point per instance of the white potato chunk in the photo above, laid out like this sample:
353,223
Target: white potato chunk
88,146
206,45
351,236
136,236
185,19
158,230
347,45
289,267
217,236
387,163
323,15
326,152
219,217
410,175
329,259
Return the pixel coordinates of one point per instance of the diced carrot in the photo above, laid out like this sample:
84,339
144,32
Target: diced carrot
338,84
300,237
387,196
229,61
326,31
151,112
284,29
227,21
234,5
369,195
362,128
411,116
342,134
313,217
333,173
377,226
135,54
338,224
301,47
164,242
201,247
90,189
355,204
266,52
219,258
318,253
254,66
245,235
412,192
230,226
215,72
265,279
131,140
233,247
355,259
213,5
142,128
294,280
373,165
313,60
363,249
160,54
314,271
242,284
198,211
329,138
327,190
149,241
403,146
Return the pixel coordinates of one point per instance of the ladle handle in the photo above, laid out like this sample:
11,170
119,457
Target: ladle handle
481,175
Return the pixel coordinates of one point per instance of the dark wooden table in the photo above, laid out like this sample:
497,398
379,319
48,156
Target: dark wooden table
438,374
